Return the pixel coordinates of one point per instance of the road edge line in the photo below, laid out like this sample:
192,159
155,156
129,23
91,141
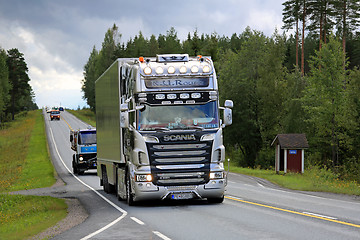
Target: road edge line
124,213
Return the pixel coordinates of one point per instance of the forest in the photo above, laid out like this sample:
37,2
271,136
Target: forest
16,94
305,78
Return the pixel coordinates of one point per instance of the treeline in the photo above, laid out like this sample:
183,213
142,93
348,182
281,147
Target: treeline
16,94
272,92
321,18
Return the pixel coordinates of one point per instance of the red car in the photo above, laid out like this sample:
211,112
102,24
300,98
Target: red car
55,114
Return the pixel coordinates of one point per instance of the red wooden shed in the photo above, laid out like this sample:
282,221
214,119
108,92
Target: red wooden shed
289,152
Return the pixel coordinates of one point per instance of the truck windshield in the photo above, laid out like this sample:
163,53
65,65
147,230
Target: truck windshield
179,117
87,138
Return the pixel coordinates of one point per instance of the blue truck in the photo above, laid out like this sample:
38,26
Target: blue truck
83,142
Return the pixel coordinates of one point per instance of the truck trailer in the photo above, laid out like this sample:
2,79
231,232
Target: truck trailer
159,130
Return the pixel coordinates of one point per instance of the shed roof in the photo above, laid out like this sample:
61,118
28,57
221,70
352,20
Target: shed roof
293,140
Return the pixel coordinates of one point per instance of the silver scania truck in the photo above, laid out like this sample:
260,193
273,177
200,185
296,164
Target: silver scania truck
159,130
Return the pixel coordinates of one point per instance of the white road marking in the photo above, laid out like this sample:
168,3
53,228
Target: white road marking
160,235
124,213
137,221
318,215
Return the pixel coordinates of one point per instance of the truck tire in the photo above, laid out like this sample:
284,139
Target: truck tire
105,180
129,196
216,200
75,170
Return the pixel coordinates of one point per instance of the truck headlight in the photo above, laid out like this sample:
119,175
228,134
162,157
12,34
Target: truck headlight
216,175
81,158
143,177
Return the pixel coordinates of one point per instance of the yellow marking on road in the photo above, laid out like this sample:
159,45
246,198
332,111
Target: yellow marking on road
293,212
67,123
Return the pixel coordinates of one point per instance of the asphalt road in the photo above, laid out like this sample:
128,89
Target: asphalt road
253,208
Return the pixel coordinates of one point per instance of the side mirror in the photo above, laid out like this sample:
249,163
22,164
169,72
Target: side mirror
227,116
124,115
71,138
229,104
124,107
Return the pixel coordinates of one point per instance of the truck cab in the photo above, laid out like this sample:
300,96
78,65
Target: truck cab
83,142
160,130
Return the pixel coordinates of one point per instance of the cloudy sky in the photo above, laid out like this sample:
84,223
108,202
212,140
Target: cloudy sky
57,36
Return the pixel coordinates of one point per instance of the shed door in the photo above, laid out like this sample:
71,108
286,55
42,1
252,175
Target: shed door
294,160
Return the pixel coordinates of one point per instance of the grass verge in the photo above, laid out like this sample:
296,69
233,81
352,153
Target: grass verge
313,179
85,115
25,216
25,164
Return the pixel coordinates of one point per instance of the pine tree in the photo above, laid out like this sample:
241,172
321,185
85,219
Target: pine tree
291,17
347,18
19,80
90,76
321,15
294,11
4,84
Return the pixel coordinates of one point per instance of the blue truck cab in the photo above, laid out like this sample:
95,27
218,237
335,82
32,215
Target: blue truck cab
83,142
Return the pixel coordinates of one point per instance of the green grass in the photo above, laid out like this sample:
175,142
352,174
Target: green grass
85,115
25,216
313,179
37,171
25,164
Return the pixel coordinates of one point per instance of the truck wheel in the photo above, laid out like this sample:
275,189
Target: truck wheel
75,170
129,196
216,200
105,180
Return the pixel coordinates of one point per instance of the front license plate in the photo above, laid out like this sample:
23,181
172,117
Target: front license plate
178,196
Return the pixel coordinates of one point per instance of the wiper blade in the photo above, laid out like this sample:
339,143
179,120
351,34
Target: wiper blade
196,127
161,129
158,129
188,127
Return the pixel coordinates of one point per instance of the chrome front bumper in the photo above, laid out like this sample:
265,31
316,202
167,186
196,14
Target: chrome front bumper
149,191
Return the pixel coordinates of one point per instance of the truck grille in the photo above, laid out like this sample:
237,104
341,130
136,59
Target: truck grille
180,164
